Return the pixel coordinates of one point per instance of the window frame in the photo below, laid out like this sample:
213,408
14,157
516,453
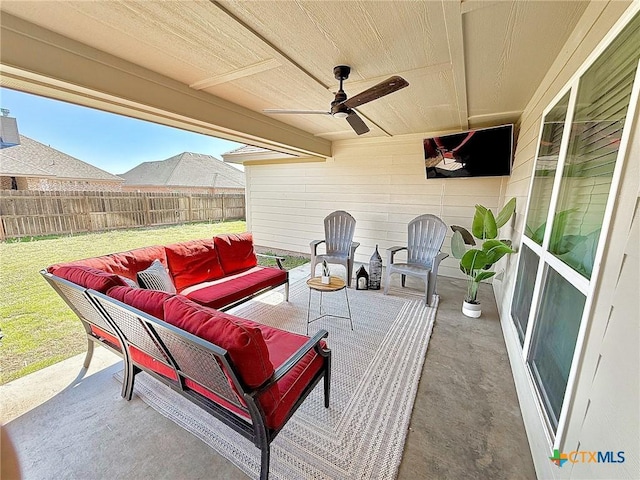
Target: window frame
547,260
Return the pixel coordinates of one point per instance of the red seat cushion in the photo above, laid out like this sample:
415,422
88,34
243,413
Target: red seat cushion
279,399
235,251
110,337
149,301
89,277
216,398
244,343
193,262
145,360
222,292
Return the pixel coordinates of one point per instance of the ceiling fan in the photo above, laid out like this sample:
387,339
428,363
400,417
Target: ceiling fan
342,107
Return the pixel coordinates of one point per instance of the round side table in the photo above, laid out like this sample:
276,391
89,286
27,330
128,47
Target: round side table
335,284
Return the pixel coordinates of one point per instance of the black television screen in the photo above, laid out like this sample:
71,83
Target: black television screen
485,152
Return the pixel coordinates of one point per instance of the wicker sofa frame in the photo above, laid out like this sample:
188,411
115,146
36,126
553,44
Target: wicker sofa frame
74,296
189,358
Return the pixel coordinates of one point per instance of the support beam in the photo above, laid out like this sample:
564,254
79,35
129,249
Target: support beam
453,22
39,61
236,74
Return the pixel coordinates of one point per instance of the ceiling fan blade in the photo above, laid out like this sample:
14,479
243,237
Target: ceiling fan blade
357,123
295,112
390,85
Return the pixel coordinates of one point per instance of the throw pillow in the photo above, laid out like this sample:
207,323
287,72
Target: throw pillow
193,262
235,251
156,277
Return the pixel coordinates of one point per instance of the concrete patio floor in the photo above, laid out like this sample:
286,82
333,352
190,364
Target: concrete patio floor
466,421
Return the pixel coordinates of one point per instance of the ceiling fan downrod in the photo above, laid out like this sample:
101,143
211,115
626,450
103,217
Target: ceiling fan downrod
341,73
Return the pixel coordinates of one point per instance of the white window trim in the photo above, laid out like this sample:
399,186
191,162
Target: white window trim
605,234
557,440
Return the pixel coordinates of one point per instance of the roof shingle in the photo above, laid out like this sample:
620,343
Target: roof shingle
186,170
34,159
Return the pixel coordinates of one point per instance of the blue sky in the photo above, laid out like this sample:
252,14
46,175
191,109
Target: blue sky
111,142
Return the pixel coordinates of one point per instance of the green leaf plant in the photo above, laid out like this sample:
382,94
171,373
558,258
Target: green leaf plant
577,251
476,263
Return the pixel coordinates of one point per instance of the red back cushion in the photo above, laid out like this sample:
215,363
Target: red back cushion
193,262
149,301
126,264
235,251
245,344
89,277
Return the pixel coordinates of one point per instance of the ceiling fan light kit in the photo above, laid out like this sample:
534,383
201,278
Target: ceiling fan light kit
342,106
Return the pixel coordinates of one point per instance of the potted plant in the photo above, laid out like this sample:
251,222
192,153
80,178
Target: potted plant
476,263
326,274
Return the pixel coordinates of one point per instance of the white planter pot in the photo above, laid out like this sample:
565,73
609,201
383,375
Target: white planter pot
473,310
326,280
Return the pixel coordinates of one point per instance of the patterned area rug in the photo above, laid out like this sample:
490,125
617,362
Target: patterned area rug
374,379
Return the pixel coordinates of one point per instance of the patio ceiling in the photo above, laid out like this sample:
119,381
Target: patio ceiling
214,66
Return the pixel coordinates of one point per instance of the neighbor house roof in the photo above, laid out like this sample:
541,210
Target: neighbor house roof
34,159
251,153
186,170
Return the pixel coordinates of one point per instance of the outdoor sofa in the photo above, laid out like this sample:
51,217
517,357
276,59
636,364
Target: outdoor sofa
248,375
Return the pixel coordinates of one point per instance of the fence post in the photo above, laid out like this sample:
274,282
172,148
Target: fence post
147,219
87,209
224,214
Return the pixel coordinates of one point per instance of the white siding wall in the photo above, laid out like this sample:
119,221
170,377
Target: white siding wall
605,414
381,182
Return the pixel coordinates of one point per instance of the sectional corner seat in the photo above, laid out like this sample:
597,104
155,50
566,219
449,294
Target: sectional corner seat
250,376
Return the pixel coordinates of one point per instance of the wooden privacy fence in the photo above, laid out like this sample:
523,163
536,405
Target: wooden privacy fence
35,213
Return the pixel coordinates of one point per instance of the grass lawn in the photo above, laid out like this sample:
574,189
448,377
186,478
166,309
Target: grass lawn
39,328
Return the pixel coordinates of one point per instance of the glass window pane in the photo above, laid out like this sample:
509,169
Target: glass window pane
546,165
525,282
602,103
556,330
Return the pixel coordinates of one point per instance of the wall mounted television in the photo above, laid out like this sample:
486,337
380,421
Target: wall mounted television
483,152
